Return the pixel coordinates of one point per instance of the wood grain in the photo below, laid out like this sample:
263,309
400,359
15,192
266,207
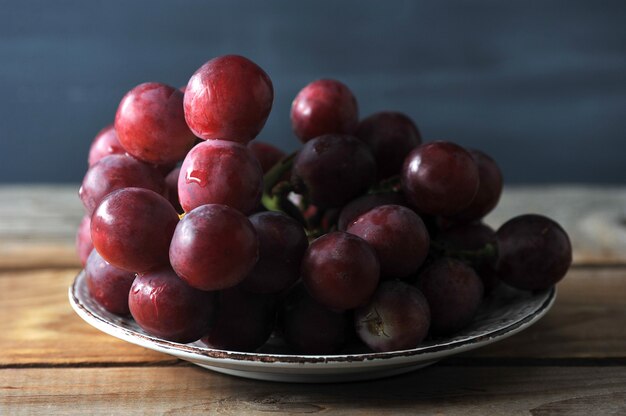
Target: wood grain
38,326
38,226
31,255
587,321
440,389
43,329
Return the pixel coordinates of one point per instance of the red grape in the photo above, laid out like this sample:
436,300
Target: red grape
453,291
220,172
83,240
132,229
534,252
267,154
311,328
355,208
489,189
151,126
214,247
108,285
116,172
166,307
340,271
390,136
243,321
228,98
323,107
171,182
164,170
333,169
282,243
104,144
398,236
397,318
440,178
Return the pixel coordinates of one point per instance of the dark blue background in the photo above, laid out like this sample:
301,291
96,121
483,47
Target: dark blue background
539,85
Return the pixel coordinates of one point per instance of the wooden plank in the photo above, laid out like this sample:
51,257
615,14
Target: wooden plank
39,326
45,212
38,226
448,390
587,321
38,223
21,255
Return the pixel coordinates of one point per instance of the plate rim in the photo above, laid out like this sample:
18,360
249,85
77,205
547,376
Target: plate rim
206,354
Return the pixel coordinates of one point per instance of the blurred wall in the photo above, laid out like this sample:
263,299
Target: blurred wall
540,85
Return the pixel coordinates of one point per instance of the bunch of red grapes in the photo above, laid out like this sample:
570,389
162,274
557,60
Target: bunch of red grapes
201,233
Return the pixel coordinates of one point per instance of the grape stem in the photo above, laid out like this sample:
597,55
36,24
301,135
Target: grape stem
276,191
391,184
275,174
487,252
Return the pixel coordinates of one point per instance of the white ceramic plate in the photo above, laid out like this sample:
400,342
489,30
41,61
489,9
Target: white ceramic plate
506,312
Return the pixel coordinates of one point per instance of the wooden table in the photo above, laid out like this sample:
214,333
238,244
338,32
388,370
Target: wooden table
572,362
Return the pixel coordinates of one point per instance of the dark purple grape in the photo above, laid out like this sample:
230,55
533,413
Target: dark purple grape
534,252
430,221
214,247
489,189
243,322
282,243
220,172
453,291
398,236
391,136
150,124
440,178
340,271
333,169
83,240
132,229
355,208
311,328
397,318
104,144
473,237
267,154
108,285
171,182
325,106
117,172
166,307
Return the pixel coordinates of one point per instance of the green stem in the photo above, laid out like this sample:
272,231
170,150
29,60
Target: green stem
276,191
275,174
391,184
